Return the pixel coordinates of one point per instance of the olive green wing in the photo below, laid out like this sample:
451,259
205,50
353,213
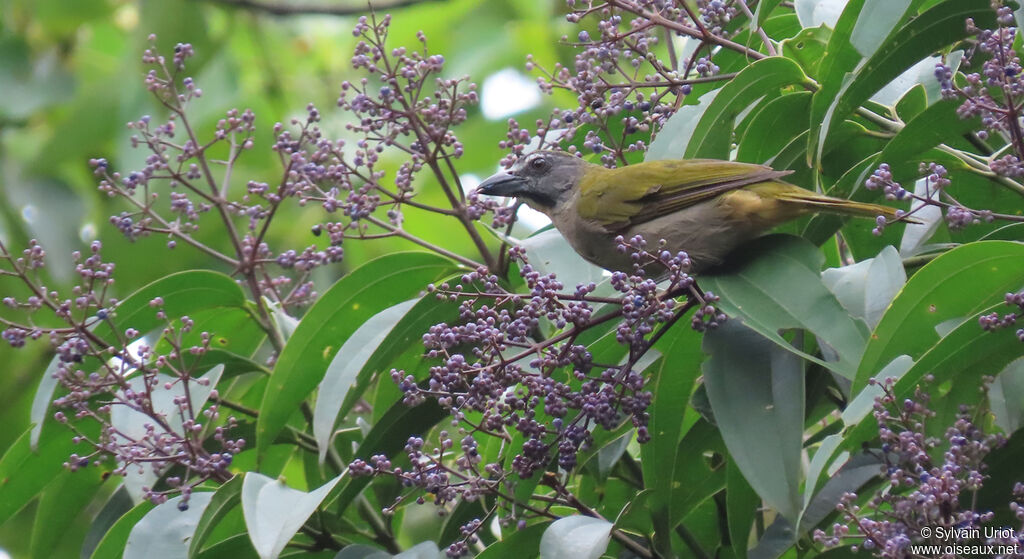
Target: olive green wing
619,198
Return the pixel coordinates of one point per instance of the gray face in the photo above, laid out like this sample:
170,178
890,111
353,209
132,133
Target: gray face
542,178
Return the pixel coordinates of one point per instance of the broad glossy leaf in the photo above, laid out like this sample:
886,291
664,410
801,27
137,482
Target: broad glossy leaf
959,358
866,288
776,125
119,504
24,472
915,235
712,136
776,285
861,405
226,498
676,133
917,38
235,547
697,476
521,543
59,506
859,470
756,390
807,48
344,369
813,13
164,532
326,326
1006,396
671,379
274,512
113,543
764,9
957,284
582,537
741,507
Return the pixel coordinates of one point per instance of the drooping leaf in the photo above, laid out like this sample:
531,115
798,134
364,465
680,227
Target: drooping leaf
774,285
886,59
165,531
957,284
712,136
344,369
274,512
866,288
227,497
1006,396
326,326
24,472
575,536
758,398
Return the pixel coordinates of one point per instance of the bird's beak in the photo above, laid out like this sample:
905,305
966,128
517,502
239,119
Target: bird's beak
503,184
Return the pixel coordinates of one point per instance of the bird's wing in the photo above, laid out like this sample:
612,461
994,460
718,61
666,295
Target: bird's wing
619,198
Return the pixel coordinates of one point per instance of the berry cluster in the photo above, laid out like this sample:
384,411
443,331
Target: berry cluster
930,483
500,377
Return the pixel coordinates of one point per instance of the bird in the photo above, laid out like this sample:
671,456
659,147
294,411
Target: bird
704,207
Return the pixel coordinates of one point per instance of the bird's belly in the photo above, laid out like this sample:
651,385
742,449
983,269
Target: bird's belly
705,232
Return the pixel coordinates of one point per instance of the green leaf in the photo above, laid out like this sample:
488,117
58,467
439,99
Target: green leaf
60,504
775,285
859,470
774,126
957,284
184,293
113,543
741,507
520,543
712,137
756,390
1006,396
165,531
959,358
114,508
326,326
807,49
671,381
866,288
236,547
695,478
24,472
274,512
764,9
226,498
344,369
584,537
917,38
678,130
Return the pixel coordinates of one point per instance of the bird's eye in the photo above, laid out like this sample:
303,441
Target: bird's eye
538,164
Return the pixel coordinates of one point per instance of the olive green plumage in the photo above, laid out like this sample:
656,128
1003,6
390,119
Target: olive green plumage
705,207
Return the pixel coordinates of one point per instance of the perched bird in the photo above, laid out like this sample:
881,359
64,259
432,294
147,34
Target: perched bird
705,207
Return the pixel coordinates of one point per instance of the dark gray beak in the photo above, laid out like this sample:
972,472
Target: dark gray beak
503,184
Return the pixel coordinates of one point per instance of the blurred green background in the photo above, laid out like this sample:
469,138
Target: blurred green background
71,78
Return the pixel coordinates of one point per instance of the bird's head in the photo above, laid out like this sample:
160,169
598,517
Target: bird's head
545,180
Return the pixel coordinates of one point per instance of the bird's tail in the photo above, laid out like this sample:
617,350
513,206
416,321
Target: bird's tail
821,203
